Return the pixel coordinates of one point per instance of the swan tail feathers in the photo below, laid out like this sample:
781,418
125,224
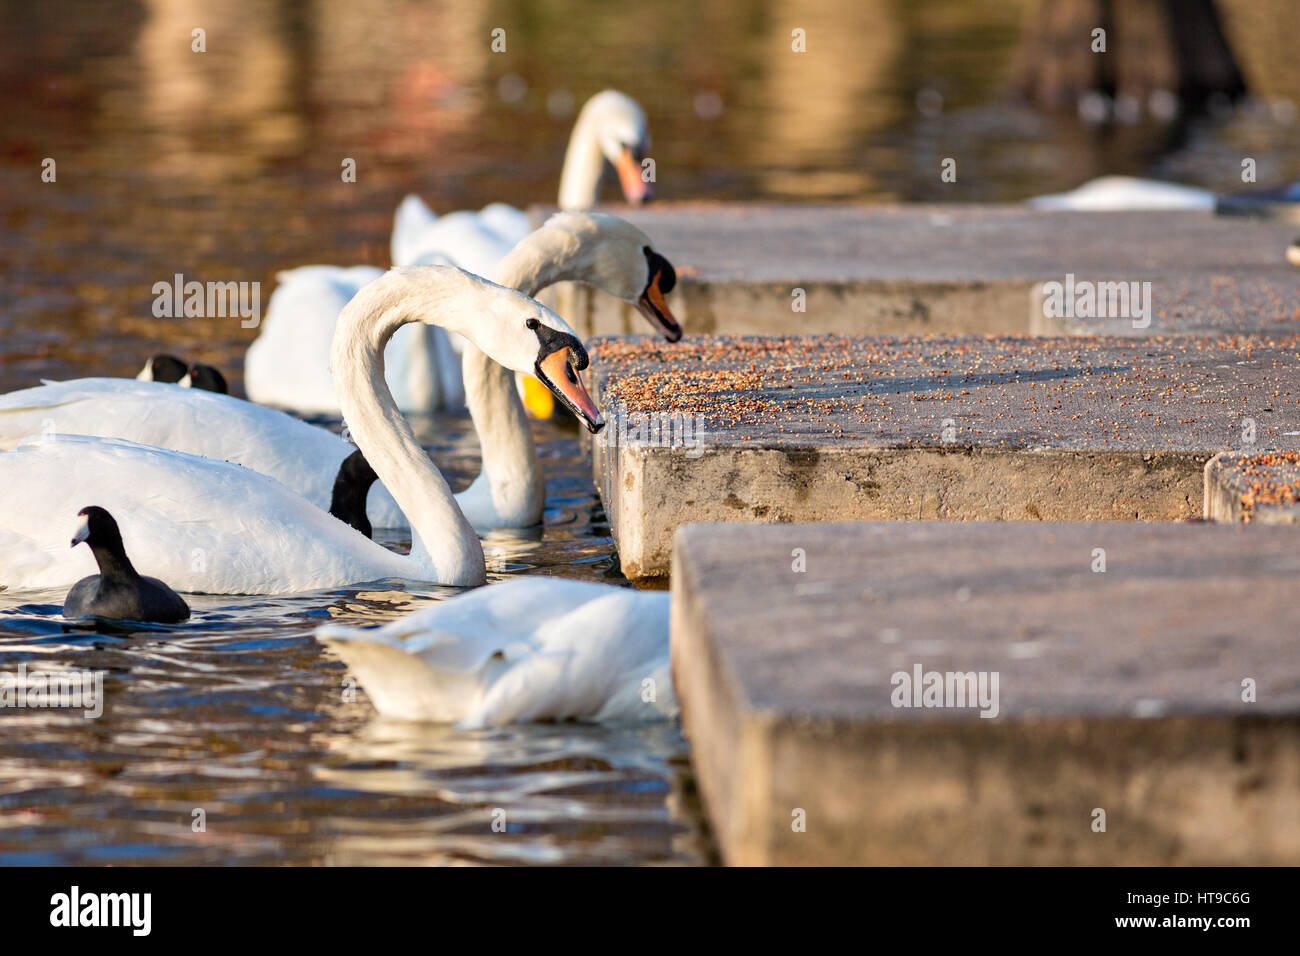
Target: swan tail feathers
400,684
413,216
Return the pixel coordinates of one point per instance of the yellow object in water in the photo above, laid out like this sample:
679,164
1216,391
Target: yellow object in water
537,398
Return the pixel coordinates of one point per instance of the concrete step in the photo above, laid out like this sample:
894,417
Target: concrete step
1261,487
1118,690
824,428
973,269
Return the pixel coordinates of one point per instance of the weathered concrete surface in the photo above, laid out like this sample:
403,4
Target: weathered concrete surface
953,268
825,428
1259,487
1119,690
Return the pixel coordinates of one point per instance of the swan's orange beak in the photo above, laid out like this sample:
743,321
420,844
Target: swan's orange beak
635,189
655,308
559,375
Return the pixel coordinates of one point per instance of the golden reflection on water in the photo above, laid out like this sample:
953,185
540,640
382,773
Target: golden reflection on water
225,165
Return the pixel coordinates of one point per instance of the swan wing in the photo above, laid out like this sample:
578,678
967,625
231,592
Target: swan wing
300,456
463,239
412,219
288,364
509,223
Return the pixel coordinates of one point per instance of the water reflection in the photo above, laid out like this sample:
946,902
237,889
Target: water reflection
225,165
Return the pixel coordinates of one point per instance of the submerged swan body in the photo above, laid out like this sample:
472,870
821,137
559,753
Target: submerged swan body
524,650
212,526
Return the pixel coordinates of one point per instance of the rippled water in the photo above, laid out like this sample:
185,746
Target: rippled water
225,166
241,714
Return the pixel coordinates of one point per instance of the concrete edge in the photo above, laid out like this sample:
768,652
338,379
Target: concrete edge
784,485
970,792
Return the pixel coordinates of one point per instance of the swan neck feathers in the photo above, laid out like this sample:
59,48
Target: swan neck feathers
444,547
562,250
543,258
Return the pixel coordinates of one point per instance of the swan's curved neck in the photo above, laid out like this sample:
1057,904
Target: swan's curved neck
510,466
444,548
584,164
541,259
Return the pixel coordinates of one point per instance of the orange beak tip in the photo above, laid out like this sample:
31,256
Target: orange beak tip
655,308
555,371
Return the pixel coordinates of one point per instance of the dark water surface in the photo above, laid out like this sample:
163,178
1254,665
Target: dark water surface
225,166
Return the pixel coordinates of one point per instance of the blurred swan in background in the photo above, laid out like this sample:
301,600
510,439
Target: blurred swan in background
1115,193
286,365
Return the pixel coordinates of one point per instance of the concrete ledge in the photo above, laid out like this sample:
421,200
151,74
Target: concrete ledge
908,269
1263,488
854,428
649,494
1119,690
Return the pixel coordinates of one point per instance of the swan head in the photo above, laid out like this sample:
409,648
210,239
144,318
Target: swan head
616,257
517,332
560,357
617,123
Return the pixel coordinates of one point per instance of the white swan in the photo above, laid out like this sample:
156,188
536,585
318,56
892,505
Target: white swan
611,131
287,364
523,650
1114,193
510,492
300,456
211,526
609,253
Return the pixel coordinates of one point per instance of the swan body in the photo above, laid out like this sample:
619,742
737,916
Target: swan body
287,366
475,241
300,456
212,526
508,493
524,650
1114,193
203,526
